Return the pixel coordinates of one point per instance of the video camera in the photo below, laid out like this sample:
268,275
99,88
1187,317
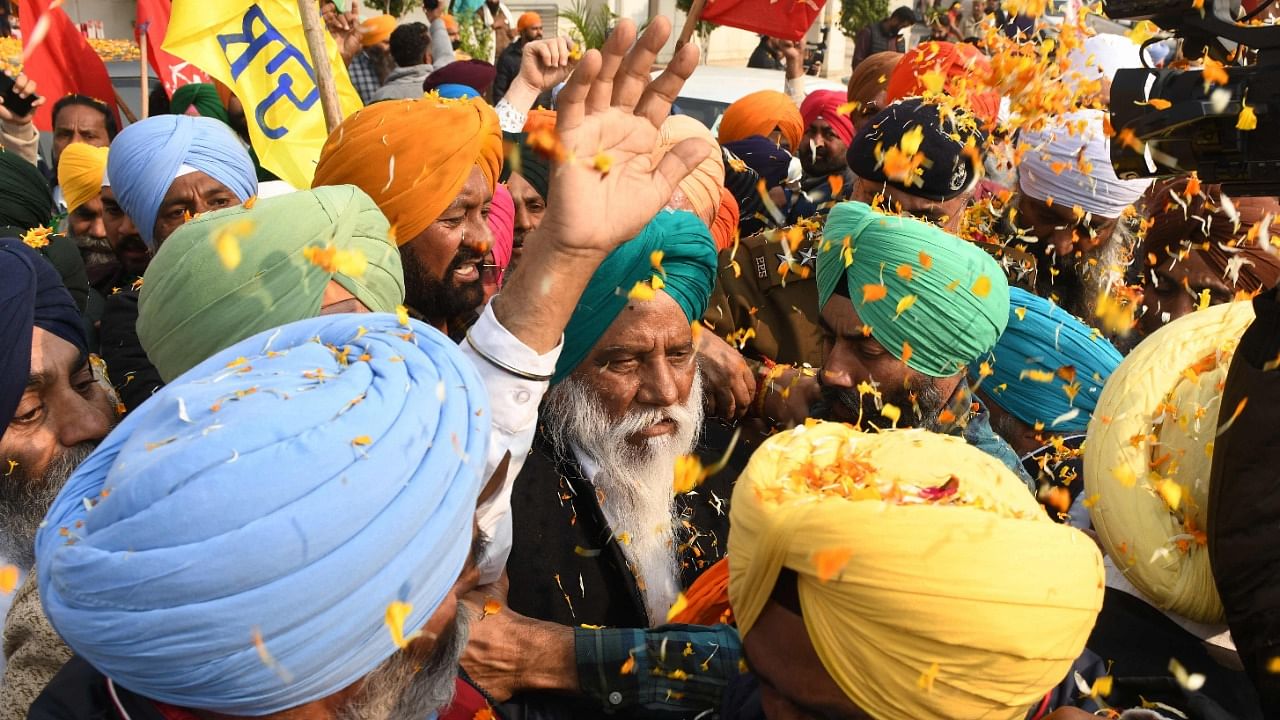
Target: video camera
1197,130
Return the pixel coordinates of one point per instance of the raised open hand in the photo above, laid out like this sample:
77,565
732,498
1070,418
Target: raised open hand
612,179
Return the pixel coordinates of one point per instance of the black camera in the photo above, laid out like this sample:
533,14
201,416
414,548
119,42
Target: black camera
1170,122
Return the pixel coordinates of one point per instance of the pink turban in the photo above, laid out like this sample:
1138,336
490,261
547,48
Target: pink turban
825,105
502,223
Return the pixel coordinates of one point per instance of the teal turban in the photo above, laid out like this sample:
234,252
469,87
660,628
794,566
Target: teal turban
195,302
1048,366
688,276
924,292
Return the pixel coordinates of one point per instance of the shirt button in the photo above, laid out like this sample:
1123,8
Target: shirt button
522,396
615,698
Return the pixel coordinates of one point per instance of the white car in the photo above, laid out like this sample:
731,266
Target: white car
711,89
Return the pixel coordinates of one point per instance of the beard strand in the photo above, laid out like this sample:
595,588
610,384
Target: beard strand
402,688
439,299
25,499
635,480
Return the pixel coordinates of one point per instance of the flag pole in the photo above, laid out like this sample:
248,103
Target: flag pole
320,61
146,93
691,23
124,108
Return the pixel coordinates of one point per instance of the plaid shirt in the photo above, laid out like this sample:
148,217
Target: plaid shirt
677,668
363,76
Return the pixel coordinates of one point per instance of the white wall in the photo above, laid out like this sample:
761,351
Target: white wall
116,15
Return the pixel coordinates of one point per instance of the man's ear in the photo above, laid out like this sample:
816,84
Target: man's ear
494,483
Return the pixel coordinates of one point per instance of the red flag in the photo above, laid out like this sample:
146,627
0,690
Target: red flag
782,19
61,62
174,72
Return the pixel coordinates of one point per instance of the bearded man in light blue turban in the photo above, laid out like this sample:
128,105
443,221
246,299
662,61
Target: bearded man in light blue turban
281,522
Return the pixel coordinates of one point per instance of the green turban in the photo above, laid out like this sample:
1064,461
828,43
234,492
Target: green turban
198,297
203,97
925,293
25,199
688,275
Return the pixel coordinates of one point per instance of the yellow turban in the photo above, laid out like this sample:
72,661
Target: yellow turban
80,170
931,582
759,114
702,186
413,156
1148,453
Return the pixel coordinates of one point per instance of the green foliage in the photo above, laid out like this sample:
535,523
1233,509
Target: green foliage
857,14
590,23
474,37
704,28
394,7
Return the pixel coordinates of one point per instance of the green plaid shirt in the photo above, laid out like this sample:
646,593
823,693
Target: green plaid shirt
676,668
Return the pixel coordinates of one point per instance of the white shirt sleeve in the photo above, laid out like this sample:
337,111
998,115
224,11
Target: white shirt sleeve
509,118
514,405
794,89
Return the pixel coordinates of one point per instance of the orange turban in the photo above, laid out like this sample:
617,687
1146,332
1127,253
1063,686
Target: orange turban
871,76
725,228
964,70
702,187
528,20
450,23
540,119
376,29
413,156
758,114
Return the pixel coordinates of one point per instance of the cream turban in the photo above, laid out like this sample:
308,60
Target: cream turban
702,186
932,584
1148,453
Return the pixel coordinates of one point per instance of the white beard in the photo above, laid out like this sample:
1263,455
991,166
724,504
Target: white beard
635,484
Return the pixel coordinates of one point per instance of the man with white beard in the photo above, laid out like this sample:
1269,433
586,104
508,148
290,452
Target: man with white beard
602,536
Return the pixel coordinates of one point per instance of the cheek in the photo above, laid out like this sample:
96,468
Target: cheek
438,248
616,391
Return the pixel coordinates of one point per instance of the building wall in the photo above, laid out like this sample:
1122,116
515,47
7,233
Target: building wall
116,15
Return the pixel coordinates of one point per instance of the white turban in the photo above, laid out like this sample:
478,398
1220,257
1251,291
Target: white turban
1101,56
1076,137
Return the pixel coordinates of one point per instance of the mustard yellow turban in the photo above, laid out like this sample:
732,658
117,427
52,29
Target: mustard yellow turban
702,186
1148,453
413,156
80,169
931,582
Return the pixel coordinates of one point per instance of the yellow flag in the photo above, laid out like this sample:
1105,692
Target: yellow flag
258,50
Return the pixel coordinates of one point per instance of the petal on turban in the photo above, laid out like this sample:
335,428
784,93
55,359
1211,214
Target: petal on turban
1148,454
771,163
146,158
27,201
688,276
1051,167
760,113
825,105
193,304
80,169
277,497
871,76
916,556
1047,364
702,186
201,96
413,156
1231,246
951,311
963,70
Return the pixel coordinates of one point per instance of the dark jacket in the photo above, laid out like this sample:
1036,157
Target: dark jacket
78,692
763,59
132,374
1244,507
508,68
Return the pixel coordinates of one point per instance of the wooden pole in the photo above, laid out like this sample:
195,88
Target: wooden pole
146,76
124,108
314,31
691,23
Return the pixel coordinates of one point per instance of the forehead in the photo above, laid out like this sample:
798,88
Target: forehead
818,125
79,116
52,356
194,183
839,313
646,323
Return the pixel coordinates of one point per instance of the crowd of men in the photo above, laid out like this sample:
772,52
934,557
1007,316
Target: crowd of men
547,401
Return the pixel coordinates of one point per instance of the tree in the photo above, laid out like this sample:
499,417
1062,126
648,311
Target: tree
395,8
857,14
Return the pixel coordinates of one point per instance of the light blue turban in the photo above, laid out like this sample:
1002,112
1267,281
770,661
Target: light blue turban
915,285
688,275
289,488
1041,339
146,156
